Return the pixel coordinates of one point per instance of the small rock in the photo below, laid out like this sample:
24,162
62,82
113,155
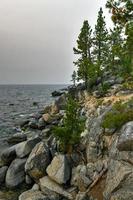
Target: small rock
82,196
35,187
3,171
41,123
45,133
33,123
28,180
47,118
80,178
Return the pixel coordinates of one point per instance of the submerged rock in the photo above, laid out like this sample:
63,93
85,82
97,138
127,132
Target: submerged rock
57,93
15,173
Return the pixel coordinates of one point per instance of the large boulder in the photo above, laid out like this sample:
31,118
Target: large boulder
94,143
59,170
125,141
16,138
24,148
15,173
33,195
46,183
3,171
60,102
38,161
8,155
119,176
123,194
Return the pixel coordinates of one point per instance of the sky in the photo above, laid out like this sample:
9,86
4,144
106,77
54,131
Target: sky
37,38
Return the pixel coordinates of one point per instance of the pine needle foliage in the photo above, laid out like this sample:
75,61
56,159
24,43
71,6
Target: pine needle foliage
69,133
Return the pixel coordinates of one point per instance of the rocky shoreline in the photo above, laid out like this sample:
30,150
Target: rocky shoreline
99,168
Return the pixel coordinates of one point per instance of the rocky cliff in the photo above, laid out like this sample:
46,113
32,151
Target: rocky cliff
99,168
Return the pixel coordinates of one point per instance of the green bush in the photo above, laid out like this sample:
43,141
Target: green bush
69,134
128,85
120,114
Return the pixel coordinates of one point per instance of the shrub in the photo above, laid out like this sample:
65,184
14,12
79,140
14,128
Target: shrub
128,85
120,114
69,134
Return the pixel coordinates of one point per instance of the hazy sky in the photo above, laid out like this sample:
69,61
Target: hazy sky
37,38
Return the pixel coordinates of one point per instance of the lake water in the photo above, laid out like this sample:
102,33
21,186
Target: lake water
17,101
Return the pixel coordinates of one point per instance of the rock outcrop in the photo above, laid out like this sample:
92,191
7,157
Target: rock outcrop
100,167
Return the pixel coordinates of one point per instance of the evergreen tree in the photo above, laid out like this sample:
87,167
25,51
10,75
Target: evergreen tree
84,44
122,10
74,76
122,14
73,125
128,49
100,40
116,43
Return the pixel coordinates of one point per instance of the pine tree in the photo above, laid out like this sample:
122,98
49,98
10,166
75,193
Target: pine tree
74,76
128,49
122,14
73,125
100,40
84,44
122,10
116,43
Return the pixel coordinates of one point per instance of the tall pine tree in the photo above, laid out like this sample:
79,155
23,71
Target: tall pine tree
122,14
100,40
84,62
116,43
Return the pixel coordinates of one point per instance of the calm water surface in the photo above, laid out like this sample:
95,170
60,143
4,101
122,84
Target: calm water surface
17,101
